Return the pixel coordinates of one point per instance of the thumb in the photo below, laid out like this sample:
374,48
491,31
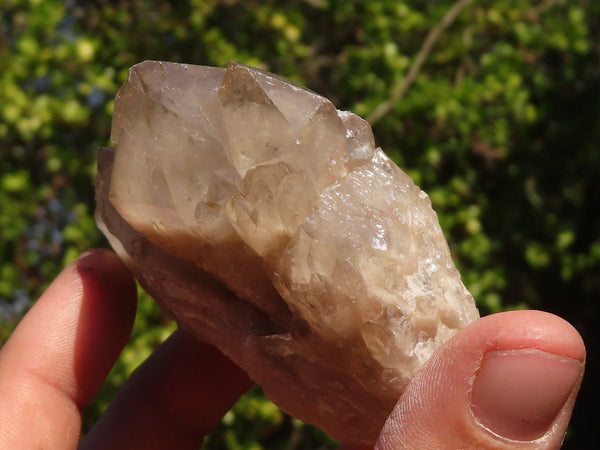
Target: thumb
508,380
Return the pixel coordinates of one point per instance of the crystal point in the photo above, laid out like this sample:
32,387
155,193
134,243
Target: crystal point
267,222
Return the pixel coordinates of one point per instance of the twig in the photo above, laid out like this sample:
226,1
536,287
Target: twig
402,87
546,4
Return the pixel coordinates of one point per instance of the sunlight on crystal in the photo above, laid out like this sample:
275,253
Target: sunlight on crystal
268,223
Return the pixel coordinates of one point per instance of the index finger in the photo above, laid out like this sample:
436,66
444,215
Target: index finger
58,357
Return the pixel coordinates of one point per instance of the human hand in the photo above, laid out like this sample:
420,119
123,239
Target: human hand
60,354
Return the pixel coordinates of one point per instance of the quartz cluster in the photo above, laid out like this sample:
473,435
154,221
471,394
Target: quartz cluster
266,222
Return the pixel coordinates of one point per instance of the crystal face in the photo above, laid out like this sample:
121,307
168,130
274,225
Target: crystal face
267,222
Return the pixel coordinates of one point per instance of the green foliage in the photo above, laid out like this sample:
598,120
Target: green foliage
499,125
254,423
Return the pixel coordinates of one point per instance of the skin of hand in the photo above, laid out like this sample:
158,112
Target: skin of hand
506,381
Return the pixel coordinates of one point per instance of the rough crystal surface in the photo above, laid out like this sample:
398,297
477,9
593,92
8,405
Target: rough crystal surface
267,223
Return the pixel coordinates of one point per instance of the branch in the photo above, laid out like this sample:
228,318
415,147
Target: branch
402,87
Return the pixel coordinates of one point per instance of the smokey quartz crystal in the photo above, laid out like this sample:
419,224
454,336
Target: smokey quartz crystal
266,222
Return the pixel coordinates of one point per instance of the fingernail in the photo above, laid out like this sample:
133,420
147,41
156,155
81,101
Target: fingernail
104,266
518,394
86,254
93,259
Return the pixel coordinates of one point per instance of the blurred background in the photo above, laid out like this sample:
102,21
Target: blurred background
492,107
